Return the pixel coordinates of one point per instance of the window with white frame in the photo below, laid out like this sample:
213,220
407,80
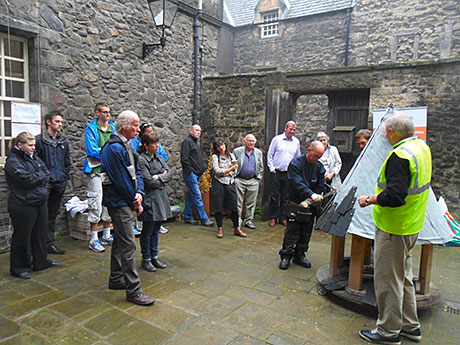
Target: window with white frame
14,84
270,24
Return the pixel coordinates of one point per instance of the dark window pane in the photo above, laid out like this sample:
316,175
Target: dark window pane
14,89
14,69
7,124
14,48
7,109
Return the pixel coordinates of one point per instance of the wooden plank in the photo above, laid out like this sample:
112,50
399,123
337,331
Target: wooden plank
337,252
424,276
358,253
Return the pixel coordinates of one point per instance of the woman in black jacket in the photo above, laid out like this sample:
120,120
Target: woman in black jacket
27,178
155,174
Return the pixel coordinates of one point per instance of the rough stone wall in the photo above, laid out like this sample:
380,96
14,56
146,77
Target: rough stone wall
436,85
311,117
401,31
380,32
89,51
233,108
303,43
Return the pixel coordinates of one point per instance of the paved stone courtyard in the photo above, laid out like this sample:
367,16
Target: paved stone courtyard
227,291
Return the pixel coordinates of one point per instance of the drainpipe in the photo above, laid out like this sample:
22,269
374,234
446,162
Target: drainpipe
347,33
196,44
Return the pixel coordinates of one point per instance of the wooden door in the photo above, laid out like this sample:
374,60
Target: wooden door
348,108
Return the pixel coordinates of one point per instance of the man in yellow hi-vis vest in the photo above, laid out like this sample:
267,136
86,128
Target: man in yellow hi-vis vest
399,203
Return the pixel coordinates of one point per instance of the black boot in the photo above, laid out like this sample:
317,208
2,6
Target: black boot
147,265
158,264
52,249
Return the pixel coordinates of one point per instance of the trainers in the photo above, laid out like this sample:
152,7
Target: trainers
249,224
96,246
373,336
163,230
136,231
415,335
107,241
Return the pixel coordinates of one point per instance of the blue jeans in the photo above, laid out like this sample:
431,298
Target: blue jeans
149,240
193,197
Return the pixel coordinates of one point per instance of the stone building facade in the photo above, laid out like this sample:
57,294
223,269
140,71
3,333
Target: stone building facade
437,85
85,51
81,52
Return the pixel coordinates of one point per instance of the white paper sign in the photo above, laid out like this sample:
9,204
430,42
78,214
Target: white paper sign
25,112
17,128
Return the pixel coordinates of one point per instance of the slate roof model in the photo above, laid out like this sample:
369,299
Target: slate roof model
363,176
241,12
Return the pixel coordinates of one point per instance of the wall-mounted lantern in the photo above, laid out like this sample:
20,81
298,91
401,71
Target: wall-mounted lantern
163,13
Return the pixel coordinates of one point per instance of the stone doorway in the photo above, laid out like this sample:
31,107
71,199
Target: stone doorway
338,113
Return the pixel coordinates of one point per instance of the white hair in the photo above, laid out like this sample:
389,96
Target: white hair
322,135
250,135
124,119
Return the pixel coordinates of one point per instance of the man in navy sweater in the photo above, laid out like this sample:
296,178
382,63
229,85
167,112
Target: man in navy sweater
306,182
123,194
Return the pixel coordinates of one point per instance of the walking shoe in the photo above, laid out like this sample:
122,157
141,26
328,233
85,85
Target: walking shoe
96,246
238,232
163,230
373,336
107,241
136,231
272,222
302,261
158,264
415,335
191,221
249,224
147,266
141,299
53,249
207,223
284,264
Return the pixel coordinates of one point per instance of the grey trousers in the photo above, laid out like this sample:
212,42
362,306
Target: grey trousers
250,188
393,284
122,261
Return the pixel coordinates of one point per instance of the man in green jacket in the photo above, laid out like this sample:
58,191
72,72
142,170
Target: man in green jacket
399,212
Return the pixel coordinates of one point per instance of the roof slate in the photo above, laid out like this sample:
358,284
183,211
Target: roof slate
242,11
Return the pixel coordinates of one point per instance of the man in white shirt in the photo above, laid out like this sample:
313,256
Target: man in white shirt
283,149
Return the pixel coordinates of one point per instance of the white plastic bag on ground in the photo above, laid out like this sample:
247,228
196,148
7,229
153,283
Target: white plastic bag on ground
75,205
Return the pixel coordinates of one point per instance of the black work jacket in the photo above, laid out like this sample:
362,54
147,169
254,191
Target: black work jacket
190,156
26,178
305,178
55,154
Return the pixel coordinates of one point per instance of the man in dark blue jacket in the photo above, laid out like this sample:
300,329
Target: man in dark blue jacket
52,147
123,194
306,182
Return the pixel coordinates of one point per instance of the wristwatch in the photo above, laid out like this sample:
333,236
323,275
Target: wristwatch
367,201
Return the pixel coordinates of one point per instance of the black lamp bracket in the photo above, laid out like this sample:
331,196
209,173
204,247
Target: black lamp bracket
147,49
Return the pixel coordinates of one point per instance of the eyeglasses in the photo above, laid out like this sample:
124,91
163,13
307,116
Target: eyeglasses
145,125
104,112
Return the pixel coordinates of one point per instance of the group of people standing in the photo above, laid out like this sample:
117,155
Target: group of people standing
235,177
37,170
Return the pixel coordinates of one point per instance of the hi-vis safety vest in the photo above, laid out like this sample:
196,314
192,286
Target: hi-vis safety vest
407,219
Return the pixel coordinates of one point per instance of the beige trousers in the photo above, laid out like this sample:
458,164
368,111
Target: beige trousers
393,283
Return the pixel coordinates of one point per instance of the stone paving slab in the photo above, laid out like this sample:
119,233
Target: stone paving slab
214,291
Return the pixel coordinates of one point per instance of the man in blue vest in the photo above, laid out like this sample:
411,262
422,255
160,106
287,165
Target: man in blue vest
399,213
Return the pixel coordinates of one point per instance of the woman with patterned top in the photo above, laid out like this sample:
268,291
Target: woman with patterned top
223,191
